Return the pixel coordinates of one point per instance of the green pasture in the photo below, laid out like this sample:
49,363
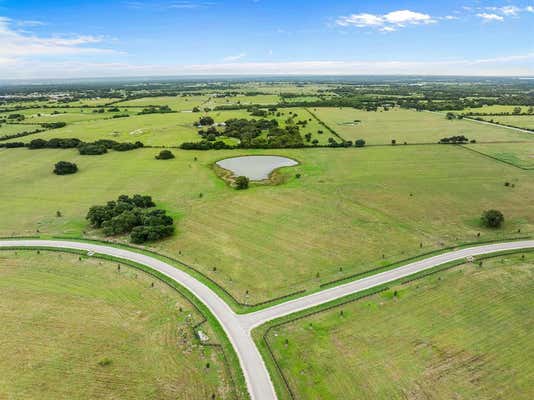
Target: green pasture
519,121
520,154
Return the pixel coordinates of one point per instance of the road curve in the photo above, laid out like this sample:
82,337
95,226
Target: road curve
238,327
256,375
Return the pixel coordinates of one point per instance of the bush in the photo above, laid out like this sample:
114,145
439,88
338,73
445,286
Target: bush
91,149
492,218
65,168
165,155
359,143
241,182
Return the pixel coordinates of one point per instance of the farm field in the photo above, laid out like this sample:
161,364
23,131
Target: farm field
266,99
351,208
170,129
152,129
81,329
68,115
493,109
522,121
176,103
520,154
458,334
409,126
12,129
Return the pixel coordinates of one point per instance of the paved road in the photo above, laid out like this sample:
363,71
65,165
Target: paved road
238,327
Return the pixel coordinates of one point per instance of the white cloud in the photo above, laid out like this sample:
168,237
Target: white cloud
490,17
513,65
15,43
234,58
386,22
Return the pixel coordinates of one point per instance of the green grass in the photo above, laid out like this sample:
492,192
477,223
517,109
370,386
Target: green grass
493,109
522,121
11,129
409,126
440,337
152,129
177,103
520,154
68,115
81,329
352,208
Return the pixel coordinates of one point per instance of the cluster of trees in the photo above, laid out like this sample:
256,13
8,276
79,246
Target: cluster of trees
206,120
156,110
454,140
53,125
241,183
134,215
206,145
164,155
346,143
93,148
65,168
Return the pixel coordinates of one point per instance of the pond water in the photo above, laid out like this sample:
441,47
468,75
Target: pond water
256,168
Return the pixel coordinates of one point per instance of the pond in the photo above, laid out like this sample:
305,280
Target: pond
256,168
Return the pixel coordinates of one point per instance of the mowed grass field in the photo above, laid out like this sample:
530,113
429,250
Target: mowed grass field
68,115
11,129
169,129
74,329
176,103
521,121
351,208
461,334
409,126
493,109
520,154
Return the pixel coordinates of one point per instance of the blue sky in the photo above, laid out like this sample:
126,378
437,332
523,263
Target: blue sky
58,39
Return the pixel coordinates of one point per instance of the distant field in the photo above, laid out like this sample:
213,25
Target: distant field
524,121
68,115
177,103
11,129
408,126
354,208
461,334
493,109
76,329
520,154
151,129
231,100
170,129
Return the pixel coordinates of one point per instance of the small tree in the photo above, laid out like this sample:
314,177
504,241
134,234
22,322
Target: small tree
65,168
359,143
165,155
492,218
241,182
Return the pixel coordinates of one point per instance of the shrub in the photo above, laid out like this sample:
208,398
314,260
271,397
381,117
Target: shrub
91,149
241,182
165,155
492,218
359,143
65,168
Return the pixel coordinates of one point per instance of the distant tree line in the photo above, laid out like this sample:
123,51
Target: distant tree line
91,148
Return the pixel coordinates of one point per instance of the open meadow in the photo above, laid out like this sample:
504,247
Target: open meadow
519,154
458,334
381,127
78,328
351,210
520,121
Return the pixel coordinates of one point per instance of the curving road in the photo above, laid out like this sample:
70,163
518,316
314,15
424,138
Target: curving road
238,327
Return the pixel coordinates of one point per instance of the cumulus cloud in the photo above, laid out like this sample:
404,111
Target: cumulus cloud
490,17
15,43
386,22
